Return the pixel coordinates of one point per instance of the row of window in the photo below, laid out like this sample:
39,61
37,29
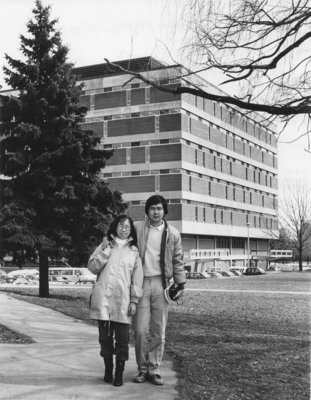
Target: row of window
258,221
251,172
186,172
128,86
204,205
132,115
255,220
231,116
191,116
224,113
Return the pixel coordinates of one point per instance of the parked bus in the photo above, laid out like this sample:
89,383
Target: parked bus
67,275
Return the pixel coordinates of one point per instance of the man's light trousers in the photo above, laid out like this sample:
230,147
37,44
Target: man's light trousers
149,325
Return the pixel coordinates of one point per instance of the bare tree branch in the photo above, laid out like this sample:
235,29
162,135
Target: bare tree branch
295,217
275,110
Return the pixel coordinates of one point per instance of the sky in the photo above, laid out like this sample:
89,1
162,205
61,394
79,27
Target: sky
122,29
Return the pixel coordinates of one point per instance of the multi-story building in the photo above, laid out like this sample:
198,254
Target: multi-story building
216,166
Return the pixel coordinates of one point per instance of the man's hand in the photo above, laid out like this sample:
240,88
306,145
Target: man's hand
179,294
132,309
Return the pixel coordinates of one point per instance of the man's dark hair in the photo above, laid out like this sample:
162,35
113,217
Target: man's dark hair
156,199
112,231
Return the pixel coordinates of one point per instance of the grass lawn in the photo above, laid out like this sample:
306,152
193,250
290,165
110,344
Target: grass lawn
236,340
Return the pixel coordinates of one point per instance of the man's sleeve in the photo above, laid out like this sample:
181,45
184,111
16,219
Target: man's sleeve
179,273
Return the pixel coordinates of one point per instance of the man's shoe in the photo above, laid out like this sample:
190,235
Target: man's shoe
156,380
141,377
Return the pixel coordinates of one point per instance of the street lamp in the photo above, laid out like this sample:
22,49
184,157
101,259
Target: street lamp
248,225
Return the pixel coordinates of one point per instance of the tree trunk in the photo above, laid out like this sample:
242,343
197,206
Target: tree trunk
43,275
300,259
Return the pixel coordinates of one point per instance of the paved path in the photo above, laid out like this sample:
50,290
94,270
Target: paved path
249,291
63,362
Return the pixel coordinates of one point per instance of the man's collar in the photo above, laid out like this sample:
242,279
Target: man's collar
159,228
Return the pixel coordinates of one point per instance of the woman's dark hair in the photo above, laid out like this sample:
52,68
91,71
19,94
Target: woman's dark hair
156,199
112,231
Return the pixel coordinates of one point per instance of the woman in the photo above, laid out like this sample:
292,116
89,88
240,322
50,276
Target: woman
116,293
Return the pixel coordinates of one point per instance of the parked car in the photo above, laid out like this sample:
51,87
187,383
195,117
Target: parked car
196,275
227,274
254,271
236,273
274,268
216,275
239,269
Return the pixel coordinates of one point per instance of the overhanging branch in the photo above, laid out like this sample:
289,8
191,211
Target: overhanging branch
285,110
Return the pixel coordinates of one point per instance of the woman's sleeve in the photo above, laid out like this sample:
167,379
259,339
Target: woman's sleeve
137,281
97,260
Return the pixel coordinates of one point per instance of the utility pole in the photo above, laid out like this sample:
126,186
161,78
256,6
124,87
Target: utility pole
248,250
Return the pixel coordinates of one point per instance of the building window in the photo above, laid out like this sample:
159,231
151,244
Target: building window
157,183
128,156
105,128
147,154
223,243
157,123
128,97
237,243
215,216
147,95
92,102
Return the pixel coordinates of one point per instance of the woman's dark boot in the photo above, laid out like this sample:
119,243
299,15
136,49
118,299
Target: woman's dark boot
108,369
118,378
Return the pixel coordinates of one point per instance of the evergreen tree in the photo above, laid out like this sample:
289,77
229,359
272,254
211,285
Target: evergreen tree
53,203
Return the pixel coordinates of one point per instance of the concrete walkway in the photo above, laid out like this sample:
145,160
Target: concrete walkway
64,362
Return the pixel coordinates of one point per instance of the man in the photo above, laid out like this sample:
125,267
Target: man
161,252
